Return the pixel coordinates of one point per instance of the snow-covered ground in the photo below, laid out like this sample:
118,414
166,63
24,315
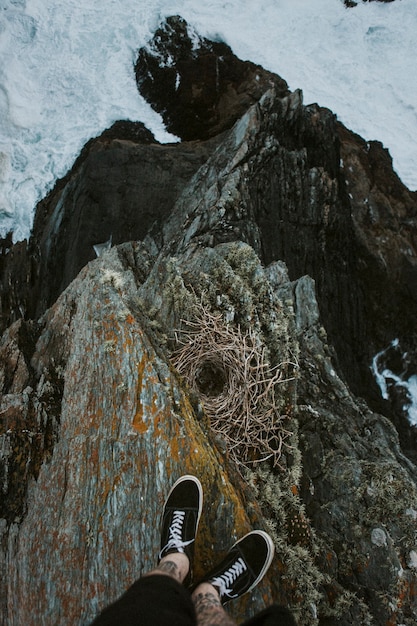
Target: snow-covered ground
67,73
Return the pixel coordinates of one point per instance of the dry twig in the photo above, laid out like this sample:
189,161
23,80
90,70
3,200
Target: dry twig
230,371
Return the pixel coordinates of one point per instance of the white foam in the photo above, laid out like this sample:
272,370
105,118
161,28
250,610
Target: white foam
412,393
381,375
67,73
385,379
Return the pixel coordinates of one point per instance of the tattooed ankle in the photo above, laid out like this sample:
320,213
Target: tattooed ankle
209,610
170,568
206,600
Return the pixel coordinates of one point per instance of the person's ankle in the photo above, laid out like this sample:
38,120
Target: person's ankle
206,589
208,606
176,565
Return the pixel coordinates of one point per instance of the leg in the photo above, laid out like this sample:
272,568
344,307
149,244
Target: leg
208,607
240,571
159,598
153,600
210,612
175,565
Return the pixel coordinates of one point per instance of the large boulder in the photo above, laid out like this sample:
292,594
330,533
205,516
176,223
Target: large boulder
199,86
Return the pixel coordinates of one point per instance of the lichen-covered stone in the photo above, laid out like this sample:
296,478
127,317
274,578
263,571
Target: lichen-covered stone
126,432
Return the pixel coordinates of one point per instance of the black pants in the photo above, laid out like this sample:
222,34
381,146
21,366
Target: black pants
161,601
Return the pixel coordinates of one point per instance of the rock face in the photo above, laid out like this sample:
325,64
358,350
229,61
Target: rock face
282,234
122,183
94,499
328,204
199,86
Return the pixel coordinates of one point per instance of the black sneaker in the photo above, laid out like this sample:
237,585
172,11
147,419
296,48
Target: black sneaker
243,567
180,517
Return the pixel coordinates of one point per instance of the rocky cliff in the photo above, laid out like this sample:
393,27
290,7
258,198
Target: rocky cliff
257,266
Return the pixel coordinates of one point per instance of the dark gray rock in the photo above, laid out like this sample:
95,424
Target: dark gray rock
122,185
199,86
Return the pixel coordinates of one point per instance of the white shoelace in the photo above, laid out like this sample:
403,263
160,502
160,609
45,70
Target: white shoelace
226,580
175,534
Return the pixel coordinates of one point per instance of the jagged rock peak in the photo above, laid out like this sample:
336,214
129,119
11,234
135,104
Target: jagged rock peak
199,86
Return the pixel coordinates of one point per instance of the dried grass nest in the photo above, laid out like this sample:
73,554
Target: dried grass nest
229,370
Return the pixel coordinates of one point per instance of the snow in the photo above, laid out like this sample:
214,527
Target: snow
67,74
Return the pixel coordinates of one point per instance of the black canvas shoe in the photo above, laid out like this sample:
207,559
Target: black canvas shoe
180,517
243,567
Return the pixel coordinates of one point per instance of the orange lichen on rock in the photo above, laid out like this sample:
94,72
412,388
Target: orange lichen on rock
138,422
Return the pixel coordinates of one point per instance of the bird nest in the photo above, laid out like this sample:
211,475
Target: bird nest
230,371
